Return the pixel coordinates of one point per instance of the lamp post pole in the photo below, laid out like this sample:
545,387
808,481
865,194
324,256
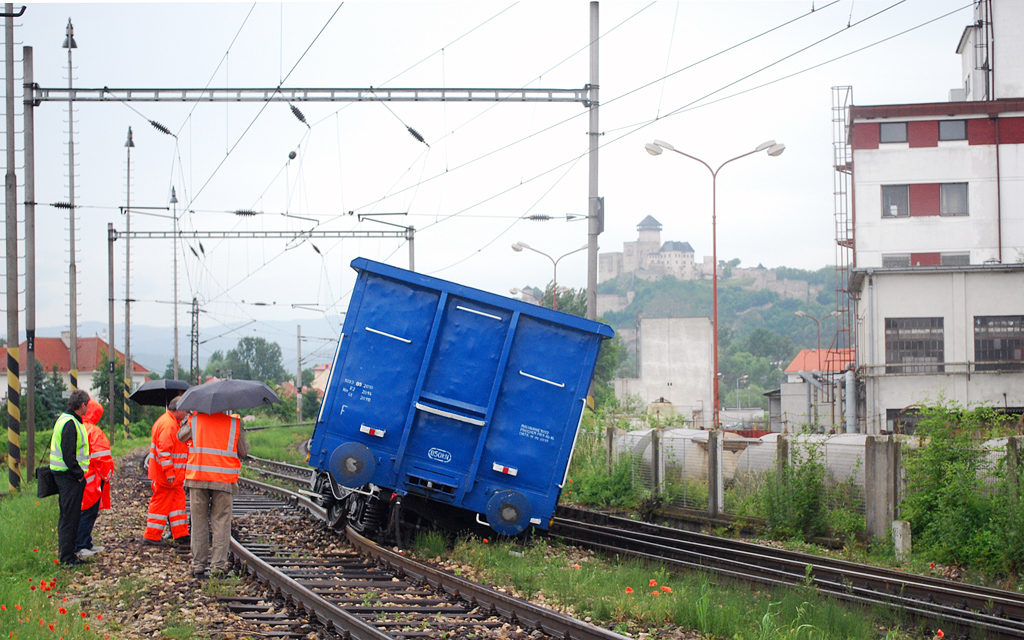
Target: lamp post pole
655,148
738,381
817,323
519,246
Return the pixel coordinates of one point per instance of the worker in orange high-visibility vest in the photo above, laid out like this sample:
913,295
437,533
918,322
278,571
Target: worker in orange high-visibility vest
211,477
167,457
97,480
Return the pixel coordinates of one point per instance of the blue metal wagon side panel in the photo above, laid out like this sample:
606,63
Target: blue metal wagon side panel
456,395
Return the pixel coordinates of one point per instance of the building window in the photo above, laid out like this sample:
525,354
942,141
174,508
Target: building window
895,201
955,259
896,261
952,129
998,343
953,199
892,132
914,345
903,421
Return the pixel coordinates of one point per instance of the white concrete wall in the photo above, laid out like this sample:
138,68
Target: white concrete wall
1008,26
957,297
676,361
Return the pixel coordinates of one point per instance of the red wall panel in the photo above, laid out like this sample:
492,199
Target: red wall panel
1011,131
981,131
924,200
925,259
865,135
923,133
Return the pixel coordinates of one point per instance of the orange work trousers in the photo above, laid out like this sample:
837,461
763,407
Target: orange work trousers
167,508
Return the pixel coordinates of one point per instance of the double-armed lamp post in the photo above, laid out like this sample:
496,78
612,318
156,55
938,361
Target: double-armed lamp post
519,246
655,149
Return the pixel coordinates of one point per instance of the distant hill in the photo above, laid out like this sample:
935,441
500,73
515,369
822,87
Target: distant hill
741,308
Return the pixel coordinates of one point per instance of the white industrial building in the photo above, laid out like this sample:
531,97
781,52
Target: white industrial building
676,361
937,219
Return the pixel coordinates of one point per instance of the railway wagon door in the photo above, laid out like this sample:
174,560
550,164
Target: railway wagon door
373,379
460,378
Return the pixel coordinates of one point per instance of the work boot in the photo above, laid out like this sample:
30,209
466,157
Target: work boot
184,541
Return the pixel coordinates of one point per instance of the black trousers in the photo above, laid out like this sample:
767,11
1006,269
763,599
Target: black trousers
70,499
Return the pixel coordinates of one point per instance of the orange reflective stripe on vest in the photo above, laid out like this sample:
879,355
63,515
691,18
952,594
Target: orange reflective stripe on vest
213,456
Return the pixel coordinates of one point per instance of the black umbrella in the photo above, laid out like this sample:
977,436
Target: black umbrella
226,395
157,393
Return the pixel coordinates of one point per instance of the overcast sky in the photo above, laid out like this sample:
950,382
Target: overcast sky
487,165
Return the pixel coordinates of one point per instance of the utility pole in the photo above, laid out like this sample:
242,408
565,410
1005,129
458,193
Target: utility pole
111,353
594,213
30,271
298,380
11,202
129,144
174,202
193,374
69,44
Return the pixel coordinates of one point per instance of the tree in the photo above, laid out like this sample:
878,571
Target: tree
256,359
307,378
49,398
216,364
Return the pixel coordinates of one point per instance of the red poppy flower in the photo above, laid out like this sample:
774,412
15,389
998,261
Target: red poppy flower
3,607
667,589
37,502
33,587
51,625
35,550
575,566
486,541
85,615
629,589
931,564
86,627
940,634
99,616
654,583
655,593
55,561
62,611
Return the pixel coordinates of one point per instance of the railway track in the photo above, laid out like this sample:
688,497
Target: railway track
967,608
362,591
296,474
950,604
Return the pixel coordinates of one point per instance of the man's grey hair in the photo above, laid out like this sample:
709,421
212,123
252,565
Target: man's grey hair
173,404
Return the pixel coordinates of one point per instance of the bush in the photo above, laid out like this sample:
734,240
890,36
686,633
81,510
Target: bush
955,516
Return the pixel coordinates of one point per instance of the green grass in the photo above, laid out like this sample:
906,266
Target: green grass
280,443
28,530
636,597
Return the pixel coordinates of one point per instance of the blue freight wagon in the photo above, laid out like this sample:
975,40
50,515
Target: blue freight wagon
451,402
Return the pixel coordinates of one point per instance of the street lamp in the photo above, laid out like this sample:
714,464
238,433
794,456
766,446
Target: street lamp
655,148
817,322
740,379
519,246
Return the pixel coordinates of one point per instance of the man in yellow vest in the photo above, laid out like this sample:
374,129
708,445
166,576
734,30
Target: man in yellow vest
211,477
69,462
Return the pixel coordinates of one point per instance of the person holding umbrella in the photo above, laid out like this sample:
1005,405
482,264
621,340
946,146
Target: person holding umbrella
214,460
167,456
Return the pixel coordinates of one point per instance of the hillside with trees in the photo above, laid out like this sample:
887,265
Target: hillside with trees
759,331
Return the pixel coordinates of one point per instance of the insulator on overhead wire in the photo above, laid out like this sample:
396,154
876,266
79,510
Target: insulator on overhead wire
201,247
244,212
416,134
193,251
298,114
315,248
61,205
161,128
